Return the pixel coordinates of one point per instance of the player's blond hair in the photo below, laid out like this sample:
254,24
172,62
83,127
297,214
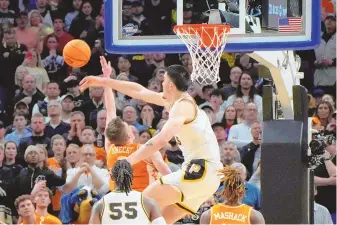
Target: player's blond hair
234,186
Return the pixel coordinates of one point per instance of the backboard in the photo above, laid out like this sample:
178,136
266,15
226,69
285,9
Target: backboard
256,25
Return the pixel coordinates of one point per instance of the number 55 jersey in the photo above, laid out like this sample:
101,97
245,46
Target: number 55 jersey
119,208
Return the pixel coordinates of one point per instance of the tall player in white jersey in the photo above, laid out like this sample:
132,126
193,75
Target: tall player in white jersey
183,191
123,205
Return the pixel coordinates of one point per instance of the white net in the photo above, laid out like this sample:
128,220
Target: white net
205,45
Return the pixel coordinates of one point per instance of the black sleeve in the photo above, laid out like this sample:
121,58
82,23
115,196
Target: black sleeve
53,180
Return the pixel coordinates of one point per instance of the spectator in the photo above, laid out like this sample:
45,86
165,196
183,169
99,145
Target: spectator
159,72
234,76
325,63
67,103
220,132
124,66
43,7
246,91
229,153
55,124
87,174
250,66
83,23
129,115
38,137
9,171
321,213
24,205
100,130
43,156
148,118
20,107
154,84
206,94
2,133
256,177
229,118
52,59
35,19
42,200
32,63
29,94
26,35
71,15
77,123
318,94
57,164
240,134
7,16
144,136
239,106
209,112
139,18
215,102
33,174
20,130
12,55
88,138
52,93
251,153
324,112
325,179
63,36
73,156
92,106
330,99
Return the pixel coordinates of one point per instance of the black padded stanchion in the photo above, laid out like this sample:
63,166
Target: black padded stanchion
284,169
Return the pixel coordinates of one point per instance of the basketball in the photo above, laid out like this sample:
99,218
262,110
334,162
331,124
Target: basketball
76,53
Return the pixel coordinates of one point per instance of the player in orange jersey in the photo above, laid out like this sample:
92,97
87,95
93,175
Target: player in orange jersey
232,211
119,141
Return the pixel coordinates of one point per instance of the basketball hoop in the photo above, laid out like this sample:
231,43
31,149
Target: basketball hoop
205,42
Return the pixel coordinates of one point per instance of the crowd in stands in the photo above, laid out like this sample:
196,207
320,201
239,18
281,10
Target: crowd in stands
50,131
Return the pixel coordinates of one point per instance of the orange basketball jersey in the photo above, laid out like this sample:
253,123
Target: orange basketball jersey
224,214
48,219
140,175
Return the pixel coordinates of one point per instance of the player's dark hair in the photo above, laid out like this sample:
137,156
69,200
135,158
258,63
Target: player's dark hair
180,76
234,186
122,175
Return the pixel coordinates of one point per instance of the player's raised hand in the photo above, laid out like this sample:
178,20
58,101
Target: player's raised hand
91,81
106,67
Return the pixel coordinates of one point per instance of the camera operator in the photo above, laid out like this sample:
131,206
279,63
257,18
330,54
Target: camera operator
325,173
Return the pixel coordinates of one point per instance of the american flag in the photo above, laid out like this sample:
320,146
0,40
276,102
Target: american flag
290,24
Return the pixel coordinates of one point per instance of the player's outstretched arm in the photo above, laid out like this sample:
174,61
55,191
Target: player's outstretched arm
159,164
96,211
131,89
109,98
172,127
205,217
153,211
256,217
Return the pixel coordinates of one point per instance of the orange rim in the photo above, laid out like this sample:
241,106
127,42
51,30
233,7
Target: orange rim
205,31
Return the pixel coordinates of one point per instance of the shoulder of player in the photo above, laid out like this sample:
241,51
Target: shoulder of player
183,107
98,206
206,217
256,217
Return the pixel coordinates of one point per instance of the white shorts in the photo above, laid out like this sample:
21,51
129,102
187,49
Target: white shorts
197,181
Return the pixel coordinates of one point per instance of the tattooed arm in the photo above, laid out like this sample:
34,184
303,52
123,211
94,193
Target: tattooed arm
178,116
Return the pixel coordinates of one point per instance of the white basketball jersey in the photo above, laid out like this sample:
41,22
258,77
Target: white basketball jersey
197,139
120,208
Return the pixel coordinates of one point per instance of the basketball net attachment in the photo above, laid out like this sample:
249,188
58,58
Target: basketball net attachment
205,42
